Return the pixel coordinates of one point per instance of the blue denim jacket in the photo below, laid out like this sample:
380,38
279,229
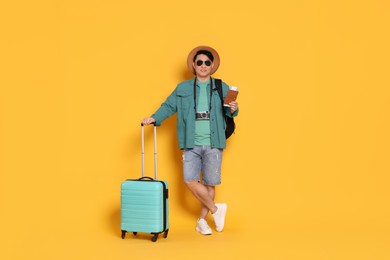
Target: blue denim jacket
181,100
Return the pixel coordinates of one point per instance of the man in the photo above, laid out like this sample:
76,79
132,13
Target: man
201,132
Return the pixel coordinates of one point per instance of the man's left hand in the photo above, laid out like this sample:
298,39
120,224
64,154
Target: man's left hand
233,106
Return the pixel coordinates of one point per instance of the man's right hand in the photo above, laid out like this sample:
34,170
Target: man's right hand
148,121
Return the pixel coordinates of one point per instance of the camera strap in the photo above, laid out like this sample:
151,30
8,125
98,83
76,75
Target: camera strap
211,93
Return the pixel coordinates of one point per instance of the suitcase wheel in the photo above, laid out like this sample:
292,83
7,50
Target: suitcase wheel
166,233
123,234
135,233
154,238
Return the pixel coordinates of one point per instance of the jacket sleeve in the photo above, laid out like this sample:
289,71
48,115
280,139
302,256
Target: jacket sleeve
168,108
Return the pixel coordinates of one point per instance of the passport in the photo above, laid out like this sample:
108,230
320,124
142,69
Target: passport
230,96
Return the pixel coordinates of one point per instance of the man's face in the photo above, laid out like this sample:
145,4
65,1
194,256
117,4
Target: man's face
203,66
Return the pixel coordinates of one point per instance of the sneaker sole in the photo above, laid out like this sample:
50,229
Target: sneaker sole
224,217
205,234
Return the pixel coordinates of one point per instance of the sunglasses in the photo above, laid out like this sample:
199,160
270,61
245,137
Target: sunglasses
200,63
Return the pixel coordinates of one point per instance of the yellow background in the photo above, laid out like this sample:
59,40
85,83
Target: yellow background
306,176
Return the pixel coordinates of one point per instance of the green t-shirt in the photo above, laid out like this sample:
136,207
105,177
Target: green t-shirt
202,127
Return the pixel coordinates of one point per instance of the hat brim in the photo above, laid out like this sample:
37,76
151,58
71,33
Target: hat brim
190,59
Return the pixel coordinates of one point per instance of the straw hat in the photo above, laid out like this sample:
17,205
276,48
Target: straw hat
190,59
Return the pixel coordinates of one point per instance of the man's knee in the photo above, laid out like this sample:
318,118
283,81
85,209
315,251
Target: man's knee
191,184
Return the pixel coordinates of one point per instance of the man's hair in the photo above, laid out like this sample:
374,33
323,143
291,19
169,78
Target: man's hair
207,53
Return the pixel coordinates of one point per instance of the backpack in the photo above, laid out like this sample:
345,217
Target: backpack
230,125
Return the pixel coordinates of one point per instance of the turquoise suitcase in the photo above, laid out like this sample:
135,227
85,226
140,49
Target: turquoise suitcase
144,202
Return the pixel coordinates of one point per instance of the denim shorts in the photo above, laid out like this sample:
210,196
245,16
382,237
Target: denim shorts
202,159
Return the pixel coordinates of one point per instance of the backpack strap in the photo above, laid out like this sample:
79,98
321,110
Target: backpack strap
230,125
218,84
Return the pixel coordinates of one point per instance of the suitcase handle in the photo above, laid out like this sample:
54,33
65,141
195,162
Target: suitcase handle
146,178
154,123
143,149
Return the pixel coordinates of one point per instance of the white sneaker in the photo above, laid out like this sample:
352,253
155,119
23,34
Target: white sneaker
219,216
202,227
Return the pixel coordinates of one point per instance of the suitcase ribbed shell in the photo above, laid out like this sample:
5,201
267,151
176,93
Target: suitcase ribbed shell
142,206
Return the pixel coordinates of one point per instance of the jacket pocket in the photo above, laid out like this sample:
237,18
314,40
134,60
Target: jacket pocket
185,101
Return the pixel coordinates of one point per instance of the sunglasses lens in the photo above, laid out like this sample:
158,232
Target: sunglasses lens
200,62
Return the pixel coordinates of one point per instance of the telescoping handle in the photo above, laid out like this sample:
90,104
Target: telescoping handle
143,149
